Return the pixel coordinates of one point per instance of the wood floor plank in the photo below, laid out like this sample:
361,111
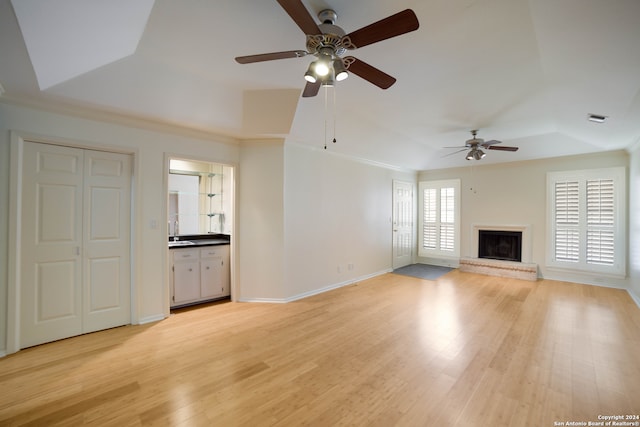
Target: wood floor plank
463,350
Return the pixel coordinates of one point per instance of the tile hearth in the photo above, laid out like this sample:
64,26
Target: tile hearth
492,267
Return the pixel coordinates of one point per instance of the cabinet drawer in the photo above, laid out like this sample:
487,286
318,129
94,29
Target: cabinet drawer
185,254
214,251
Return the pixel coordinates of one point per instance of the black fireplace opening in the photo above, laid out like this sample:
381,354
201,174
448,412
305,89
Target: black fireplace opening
502,245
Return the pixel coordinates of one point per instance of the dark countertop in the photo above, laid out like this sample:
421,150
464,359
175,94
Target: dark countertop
199,240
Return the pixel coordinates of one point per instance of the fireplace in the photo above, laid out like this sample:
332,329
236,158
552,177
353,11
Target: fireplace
500,244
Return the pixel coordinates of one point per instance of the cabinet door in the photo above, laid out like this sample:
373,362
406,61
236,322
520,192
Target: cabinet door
186,276
225,275
211,277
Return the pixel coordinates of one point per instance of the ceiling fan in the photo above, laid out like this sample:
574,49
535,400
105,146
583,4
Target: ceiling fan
328,42
474,146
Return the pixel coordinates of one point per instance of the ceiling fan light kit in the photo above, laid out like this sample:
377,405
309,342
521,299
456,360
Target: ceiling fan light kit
328,43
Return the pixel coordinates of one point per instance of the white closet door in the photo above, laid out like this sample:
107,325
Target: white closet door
75,261
106,266
51,279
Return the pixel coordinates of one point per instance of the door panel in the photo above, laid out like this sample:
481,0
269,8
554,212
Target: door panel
104,275
50,291
107,210
55,291
403,223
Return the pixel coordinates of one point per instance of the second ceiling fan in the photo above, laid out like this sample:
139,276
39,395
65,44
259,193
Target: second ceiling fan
475,145
328,43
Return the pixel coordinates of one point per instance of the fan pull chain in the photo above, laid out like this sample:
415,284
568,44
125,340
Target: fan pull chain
334,115
326,96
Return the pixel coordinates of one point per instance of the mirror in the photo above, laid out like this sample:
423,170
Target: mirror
199,201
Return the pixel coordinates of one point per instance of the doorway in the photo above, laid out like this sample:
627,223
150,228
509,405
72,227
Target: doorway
403,223
200,208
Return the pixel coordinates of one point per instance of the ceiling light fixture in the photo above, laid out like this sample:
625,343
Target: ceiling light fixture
475,153
596,118
324,62
328,68
321,68
328,80
310,76
339,70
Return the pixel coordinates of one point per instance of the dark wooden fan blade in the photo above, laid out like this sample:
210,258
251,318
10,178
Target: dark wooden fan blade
311,89
270,56
502,148
300,15
488,143
392,26
369,73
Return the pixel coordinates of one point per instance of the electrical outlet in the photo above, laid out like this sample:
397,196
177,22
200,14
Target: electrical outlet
339,269
350,266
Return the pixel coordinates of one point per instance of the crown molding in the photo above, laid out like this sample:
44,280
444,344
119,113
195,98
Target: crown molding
101,114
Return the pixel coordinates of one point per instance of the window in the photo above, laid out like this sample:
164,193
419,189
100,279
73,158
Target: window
440,218
587,218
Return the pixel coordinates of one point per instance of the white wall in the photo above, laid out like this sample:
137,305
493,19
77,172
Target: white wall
337,219
634,224
515,194
149,204
260,222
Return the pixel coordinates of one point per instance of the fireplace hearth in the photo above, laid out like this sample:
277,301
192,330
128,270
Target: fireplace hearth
500,245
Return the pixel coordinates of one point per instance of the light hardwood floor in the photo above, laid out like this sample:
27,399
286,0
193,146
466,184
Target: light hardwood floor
465,350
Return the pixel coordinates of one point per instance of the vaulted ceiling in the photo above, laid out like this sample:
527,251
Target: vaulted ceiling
526,72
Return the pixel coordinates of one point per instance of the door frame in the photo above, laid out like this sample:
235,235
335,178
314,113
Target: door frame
234,286
16,149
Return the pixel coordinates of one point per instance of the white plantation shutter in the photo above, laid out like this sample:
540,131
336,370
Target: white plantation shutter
447,219
429,229
587,220
567,221
439,218
600,221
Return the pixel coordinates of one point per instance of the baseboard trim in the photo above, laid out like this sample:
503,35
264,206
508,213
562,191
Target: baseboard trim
634,297
151,319
264,300
316,291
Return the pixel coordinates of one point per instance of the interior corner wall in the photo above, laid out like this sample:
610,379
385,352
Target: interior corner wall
515,194
149,148
634,224
4,228
260,222
337,219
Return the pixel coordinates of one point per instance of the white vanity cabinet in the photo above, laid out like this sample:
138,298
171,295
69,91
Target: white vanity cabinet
199,274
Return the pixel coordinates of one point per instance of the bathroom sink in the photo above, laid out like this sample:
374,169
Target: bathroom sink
180,243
